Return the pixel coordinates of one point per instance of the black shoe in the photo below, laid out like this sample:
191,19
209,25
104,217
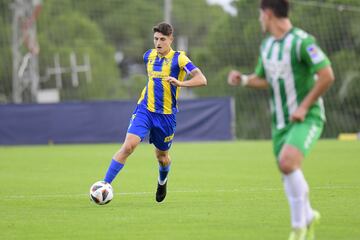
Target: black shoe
161,192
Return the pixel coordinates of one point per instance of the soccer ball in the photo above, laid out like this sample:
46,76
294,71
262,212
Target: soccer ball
101,193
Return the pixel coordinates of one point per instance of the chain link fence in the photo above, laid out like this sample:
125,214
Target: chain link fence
92,50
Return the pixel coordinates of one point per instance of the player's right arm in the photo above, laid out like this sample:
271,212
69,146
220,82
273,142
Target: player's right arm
253,81
256,80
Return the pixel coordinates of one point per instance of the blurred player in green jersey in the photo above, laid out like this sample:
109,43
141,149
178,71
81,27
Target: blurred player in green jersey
297,72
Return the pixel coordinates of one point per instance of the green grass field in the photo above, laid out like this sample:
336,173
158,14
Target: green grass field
227,190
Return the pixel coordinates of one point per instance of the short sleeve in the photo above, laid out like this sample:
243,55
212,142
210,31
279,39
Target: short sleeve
146,56
312,55
259,69
185,63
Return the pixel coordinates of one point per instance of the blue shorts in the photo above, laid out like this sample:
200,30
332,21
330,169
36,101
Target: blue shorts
160,127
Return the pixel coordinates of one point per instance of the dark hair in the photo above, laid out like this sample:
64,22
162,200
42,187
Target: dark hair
164,28
279,7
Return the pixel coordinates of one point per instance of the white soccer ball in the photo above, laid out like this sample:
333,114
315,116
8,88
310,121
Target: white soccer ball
101,193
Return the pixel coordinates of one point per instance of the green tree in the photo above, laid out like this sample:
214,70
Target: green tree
5,63
126,24
235,40
71,31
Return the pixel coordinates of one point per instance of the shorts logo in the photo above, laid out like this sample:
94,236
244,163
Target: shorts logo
132,119
169,138
310,136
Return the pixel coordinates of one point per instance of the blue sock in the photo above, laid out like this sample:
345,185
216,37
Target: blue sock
163,172
113,170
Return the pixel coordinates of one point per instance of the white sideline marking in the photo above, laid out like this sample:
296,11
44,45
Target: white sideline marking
46,196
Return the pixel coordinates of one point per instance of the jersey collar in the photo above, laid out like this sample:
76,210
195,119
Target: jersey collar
168,55
285,35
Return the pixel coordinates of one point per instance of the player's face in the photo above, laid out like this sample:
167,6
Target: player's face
162,43
264,20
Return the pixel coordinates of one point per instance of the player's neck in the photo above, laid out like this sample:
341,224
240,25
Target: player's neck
164,53
281,27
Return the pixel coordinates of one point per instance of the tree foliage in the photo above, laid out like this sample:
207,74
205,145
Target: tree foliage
74,32
217,42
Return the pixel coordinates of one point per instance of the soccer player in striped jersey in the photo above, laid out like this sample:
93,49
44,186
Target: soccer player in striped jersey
298,73
156,110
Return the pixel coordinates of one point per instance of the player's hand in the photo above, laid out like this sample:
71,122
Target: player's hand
234,78
173,81
299,114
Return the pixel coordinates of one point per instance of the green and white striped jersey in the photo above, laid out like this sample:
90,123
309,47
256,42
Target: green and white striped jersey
289,65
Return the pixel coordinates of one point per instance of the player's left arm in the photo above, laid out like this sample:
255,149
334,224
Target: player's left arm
197,77
197,80
325,78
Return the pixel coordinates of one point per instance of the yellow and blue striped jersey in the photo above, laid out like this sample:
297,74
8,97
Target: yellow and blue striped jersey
159,95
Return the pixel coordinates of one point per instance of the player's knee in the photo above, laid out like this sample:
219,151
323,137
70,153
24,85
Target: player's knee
289,159
287,164
162,157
